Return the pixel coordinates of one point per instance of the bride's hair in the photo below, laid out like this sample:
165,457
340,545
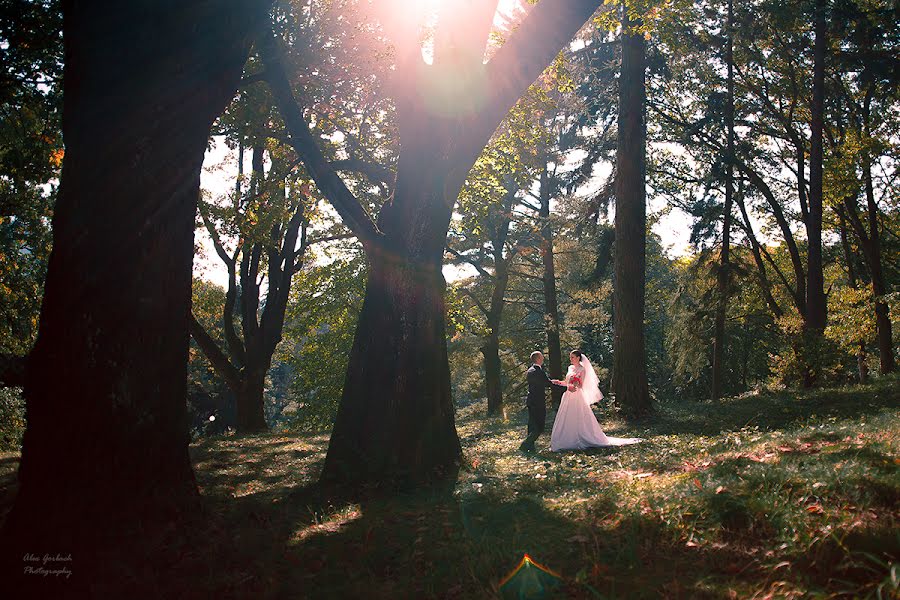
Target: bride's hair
576,353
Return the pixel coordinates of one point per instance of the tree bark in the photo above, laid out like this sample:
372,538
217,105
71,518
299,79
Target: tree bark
105,450
395,425
551,308
815,292
882,314
723,275
492,371
250,409
629,356
491,348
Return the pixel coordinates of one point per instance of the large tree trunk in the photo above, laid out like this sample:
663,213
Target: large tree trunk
395,426
723,275
249,405
629,357
551,309
815,291
105,450
492,371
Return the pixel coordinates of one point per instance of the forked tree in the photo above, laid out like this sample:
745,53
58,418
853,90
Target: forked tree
395,424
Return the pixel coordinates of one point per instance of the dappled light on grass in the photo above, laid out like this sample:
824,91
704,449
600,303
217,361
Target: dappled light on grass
740,500
331,524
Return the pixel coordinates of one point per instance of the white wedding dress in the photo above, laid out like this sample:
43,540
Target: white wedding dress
576,427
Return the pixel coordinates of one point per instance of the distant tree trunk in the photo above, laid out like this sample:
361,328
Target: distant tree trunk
492,371
862,367
872,251
249,405
491,349
629,356
756,249
105,449
871,246
723,275
882,314
551,308
815,291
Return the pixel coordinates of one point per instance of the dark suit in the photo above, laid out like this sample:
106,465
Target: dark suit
538,382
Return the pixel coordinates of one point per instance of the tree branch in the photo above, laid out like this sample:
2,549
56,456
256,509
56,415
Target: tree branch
467,259
373,171
549,26
305,145
215,356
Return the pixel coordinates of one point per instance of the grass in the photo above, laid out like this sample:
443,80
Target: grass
787,495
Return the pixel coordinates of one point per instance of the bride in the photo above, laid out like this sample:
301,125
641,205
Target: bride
576,427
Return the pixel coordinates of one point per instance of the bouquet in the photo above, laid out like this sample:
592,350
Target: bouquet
574,383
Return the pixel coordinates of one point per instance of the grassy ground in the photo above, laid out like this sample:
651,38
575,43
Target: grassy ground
766,496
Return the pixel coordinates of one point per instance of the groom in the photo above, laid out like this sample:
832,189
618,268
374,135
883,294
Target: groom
538,382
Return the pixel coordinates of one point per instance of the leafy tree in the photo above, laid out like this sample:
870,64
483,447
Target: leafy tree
30,157
446,111
321,319
271,226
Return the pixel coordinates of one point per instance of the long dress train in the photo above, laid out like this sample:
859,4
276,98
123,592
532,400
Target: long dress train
576,427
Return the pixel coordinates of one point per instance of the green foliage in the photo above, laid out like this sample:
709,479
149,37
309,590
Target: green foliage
31,153
12,419
319,327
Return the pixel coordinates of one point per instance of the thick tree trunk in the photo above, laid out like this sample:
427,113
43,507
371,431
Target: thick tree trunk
492,370
105,450
250,413
551,308
395,426
724,259
815,291
629,356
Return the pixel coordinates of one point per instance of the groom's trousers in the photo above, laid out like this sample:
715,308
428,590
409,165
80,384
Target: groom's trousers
537,420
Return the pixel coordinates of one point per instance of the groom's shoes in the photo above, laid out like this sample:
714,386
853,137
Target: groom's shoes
527,449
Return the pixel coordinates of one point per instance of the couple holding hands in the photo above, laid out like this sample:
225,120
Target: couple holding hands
575,427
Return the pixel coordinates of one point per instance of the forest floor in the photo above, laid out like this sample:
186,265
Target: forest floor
770,495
